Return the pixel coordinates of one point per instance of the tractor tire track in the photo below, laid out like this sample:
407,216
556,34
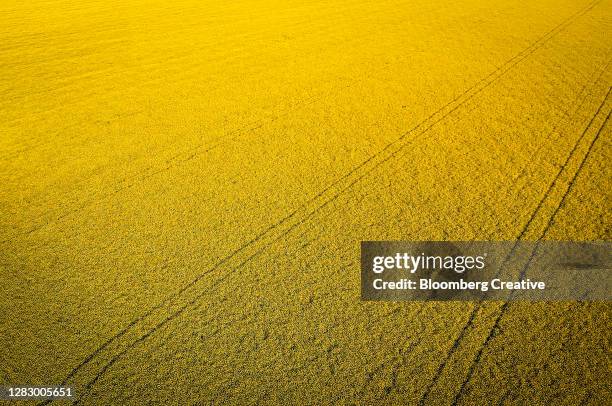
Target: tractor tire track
550,222
521,235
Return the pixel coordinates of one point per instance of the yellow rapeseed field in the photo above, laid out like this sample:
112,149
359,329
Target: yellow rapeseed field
184,186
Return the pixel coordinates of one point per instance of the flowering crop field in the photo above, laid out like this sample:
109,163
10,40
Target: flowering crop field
184,186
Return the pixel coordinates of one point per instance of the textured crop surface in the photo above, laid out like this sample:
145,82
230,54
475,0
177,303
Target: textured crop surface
184,186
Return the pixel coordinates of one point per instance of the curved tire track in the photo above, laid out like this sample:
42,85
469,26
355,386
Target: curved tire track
550,222
524,230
